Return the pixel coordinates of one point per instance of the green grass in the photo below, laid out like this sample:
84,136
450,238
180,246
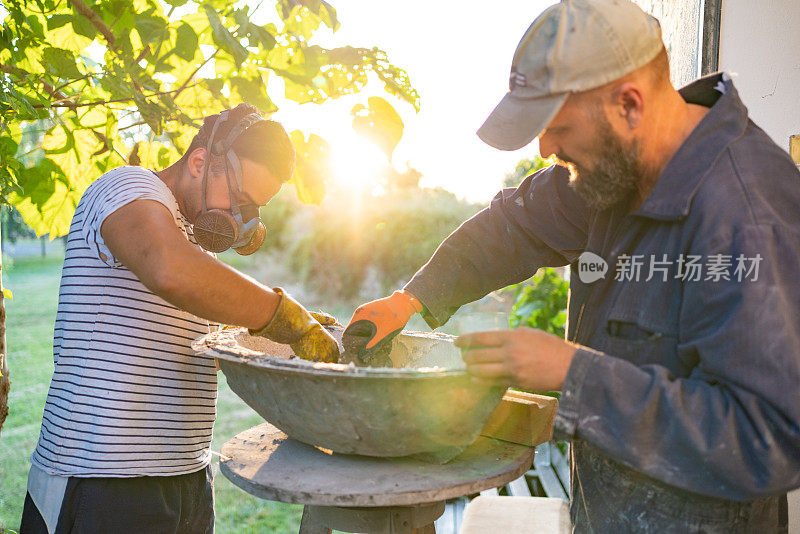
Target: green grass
30,316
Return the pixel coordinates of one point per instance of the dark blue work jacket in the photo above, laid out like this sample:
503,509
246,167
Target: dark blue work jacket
683,408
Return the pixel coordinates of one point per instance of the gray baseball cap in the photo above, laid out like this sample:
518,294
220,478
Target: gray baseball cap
573,46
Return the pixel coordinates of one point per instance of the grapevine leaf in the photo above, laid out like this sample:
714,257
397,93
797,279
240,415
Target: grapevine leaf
378,122
60,62
312,165
223,37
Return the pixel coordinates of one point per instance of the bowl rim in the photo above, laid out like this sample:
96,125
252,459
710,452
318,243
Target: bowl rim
244,356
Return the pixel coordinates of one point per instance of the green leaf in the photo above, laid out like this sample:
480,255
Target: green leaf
164,157
378,122
151,28
59,140
224,65
203,98
36,26
151,112
186,42
214,86
301,22
223,38
48,208
263,36
541,302
319,8
328,15
119,15
83,26
8,147
80,144
253,91
66,37
312,165
60,62
199,23
57,21
54,215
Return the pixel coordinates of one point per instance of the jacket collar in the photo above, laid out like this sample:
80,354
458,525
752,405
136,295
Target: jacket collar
671,198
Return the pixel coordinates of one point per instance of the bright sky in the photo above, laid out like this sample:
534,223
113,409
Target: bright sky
458,56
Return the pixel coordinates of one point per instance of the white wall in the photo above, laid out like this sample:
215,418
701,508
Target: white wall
680,28
760,40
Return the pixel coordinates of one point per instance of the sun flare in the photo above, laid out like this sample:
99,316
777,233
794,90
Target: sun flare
356,162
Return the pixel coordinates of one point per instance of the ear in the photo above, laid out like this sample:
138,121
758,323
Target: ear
628,103
196,162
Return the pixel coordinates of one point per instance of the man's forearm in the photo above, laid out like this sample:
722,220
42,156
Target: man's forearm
714,439
542,223
233,297
143,237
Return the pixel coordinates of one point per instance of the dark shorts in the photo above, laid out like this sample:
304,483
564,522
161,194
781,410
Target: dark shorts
178,504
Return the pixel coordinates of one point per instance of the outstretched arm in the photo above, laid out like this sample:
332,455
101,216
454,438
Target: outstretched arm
541,223
143,236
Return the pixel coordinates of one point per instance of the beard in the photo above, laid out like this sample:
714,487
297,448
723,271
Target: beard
616,175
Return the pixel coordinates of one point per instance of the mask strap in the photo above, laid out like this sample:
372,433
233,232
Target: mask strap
237,214
220,147
224,147
232,160
222,118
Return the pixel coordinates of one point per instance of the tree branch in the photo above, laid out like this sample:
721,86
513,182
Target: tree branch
96,21
5,383
49,89
189,78
104,102
70,82
142,54
134,125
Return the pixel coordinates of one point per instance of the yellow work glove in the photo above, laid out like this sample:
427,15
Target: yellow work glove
293,325
324,319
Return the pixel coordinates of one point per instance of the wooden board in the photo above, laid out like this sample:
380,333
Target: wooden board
265,463
522,418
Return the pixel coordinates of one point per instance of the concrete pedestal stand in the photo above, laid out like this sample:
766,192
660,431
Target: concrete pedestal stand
360,493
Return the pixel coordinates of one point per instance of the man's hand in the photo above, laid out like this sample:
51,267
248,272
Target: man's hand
376,323
524,357
294,325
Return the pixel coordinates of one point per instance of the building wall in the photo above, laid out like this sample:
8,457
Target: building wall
760,42
680,28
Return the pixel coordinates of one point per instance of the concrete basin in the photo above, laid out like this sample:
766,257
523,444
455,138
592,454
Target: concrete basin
424,405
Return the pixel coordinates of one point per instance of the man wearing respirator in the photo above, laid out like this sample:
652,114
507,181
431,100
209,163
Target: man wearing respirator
127,425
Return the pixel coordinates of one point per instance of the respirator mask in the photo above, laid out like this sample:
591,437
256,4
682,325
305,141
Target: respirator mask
240,228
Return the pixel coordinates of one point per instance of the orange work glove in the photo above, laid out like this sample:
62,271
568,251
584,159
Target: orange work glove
294,325
376,323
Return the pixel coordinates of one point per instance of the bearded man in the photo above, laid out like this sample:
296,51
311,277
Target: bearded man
680,386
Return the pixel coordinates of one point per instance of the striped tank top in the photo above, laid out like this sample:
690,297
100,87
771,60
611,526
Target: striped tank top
128,396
